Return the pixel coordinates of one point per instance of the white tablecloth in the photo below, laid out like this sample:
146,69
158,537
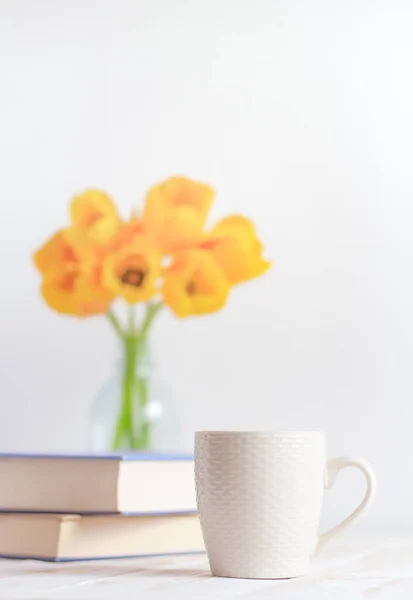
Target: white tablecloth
351,569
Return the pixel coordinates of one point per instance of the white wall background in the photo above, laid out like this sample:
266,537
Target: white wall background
300,114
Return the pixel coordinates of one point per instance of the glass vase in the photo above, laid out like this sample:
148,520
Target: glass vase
134,410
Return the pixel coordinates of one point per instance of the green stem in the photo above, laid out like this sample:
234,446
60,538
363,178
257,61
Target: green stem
124,430
142,440
128,385
131,319
115,324
120,429
141,383
134,350
151,312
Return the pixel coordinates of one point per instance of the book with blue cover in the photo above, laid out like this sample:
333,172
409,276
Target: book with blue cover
135,483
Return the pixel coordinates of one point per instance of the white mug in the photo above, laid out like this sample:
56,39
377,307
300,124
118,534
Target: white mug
259,499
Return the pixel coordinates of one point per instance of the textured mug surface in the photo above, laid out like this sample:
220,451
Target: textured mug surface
259,499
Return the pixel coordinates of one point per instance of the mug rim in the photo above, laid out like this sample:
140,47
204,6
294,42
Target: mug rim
230,432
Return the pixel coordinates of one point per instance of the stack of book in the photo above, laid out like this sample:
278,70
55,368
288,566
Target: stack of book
84,507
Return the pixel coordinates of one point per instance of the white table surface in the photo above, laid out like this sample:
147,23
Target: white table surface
351,569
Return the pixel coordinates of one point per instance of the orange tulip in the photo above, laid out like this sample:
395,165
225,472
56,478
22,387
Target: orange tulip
234,244
71,282
175,213
94,212
194,284
132,271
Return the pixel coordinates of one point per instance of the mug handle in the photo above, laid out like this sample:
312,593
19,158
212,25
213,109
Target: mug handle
334,465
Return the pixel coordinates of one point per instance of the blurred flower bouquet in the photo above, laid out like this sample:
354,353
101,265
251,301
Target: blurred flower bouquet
160,257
